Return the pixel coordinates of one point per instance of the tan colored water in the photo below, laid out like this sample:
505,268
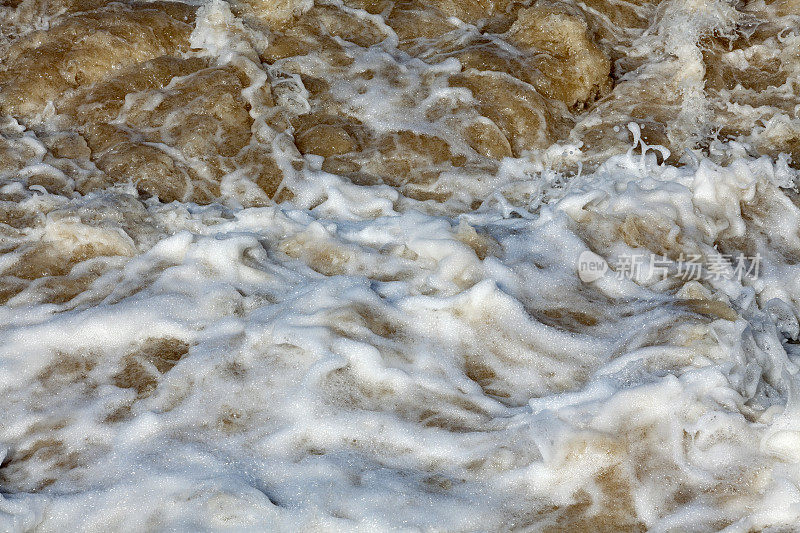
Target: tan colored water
312,265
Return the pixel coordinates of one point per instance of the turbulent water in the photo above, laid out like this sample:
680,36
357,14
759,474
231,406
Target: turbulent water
437,265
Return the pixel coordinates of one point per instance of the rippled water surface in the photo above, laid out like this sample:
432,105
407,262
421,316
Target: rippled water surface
437,265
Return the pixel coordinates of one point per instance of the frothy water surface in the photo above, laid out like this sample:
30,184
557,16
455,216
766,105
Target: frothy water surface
325,265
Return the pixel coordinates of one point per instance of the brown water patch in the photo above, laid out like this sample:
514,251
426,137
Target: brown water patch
566,319
315,31
85,48
515,107
326,258
49,452
48,259
714,308
614,512
275,13
231,420
534,71
576,69
481,243
432,409
115,63
486,378
181,123
142,368
517,92
67,369
39,458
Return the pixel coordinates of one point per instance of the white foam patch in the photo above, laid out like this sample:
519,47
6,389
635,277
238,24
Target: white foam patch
353,360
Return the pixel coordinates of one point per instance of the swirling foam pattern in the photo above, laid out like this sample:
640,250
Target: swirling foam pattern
316,265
